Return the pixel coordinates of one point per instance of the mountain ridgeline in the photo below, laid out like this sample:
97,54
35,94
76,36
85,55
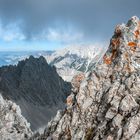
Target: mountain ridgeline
68,61
106,106
104,103
36,87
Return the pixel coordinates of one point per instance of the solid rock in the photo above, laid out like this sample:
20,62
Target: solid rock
107,102
13,126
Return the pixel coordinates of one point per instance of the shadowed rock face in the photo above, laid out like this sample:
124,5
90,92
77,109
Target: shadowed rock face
106,106
36,87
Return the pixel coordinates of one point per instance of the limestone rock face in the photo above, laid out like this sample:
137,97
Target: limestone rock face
13,125
106,106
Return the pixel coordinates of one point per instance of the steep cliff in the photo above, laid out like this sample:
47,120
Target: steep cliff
68,61
36,87
106,103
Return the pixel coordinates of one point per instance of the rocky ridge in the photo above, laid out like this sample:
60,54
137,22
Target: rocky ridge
106,103
13,125
36,87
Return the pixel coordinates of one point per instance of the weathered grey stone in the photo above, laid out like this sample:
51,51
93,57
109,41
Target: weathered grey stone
113,92
13,126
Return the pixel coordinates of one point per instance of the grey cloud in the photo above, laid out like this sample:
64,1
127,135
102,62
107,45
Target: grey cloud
95,18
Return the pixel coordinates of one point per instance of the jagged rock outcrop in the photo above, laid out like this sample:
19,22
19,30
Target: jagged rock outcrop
36,87
106,105
13,126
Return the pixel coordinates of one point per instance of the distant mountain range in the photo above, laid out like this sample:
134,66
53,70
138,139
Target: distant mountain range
12,57
68,61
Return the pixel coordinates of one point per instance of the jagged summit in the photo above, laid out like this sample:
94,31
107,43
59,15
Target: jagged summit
36,87
40,59
106,105
124,43
32,61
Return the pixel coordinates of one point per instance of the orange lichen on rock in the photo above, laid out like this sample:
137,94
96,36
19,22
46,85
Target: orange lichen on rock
137,33
114,53
77,79
115,42
107,60
69,100
118,30
132,44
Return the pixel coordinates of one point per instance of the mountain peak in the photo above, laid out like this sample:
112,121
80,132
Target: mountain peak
33,59
124,45
35,86
106,104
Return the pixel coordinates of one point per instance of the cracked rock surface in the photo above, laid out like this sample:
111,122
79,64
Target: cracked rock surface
106,104
13,126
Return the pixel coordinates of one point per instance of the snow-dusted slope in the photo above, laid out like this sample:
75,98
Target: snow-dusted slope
69,61
75,59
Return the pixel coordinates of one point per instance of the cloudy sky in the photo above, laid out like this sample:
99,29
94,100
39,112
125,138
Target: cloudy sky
51,24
